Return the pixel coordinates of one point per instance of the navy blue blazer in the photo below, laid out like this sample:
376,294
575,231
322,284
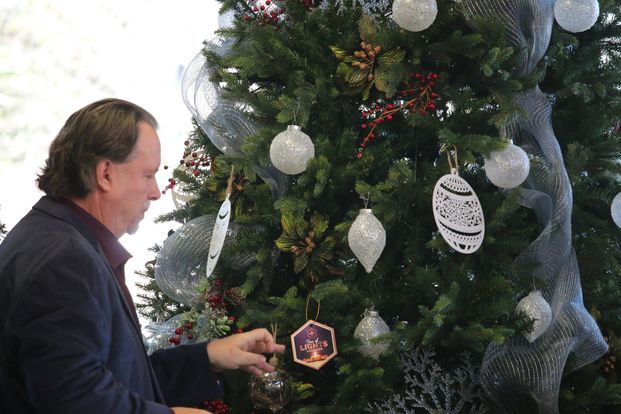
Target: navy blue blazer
68,341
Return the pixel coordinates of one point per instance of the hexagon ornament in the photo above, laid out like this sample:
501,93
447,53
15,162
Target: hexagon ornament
314,344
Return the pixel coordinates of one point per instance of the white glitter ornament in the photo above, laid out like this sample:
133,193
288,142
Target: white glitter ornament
576,15
367,238
535,307
372,326
508,167
458,214
615,209
414,15
291,149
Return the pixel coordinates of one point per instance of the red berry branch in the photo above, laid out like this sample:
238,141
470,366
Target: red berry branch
417,96
194,162
266,12
180,331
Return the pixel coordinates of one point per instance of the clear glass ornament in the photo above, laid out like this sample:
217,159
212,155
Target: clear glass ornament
367,238
414,15
536,307
458,214
576,15
271,390
372,326
291,149
615,209
508,167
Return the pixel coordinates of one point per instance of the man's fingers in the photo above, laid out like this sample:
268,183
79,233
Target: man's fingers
244,359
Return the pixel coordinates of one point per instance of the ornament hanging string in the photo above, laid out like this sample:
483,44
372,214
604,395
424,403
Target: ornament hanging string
229,186
295,114
366,199
274,359
453,160
318,307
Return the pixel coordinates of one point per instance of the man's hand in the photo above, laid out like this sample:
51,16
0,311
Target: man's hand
184,410
243,351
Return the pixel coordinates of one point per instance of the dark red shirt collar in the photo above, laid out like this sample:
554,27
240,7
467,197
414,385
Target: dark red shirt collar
115,252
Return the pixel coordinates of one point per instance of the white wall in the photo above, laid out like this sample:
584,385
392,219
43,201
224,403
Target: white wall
59,55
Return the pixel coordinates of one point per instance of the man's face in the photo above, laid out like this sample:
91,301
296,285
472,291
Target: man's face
135,185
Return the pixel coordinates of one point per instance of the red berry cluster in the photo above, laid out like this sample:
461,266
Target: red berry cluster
266,12
180,332
416,96
216,407
219,299
193,162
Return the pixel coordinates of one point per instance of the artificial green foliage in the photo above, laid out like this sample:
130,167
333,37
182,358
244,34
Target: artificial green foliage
307,71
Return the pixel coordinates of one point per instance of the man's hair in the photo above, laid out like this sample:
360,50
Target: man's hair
104,130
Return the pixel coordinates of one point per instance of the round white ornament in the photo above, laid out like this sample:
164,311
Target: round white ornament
372,326
536,308
291,149
615,209
414,15
576,15
458,214
508,167
367,238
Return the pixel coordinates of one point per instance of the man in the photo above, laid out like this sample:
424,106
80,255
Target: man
69,335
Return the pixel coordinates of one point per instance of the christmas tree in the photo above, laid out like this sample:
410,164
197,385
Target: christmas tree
433,181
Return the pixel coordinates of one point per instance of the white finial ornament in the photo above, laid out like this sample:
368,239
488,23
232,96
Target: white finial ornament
414,15
536,308
367,238
576,15
220,227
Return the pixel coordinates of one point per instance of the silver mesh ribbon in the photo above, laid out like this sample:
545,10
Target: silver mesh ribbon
226,123
517,374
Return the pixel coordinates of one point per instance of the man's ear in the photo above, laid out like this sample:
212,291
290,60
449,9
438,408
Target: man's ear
104,172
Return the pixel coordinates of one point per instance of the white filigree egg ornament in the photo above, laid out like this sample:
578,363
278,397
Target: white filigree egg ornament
414,15
291,149
458,214
538,309
615,210
367,238
576,15
508,167
371,327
